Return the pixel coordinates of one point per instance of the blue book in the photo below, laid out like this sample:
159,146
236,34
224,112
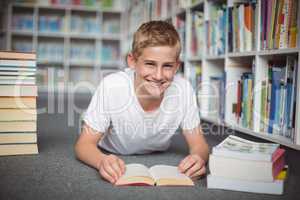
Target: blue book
277,76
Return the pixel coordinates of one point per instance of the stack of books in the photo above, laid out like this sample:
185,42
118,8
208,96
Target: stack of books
242,165
18,114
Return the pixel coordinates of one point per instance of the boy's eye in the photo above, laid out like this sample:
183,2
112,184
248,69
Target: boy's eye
151,64
168,66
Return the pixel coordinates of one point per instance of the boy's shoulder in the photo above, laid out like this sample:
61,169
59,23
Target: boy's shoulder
181,82
118,77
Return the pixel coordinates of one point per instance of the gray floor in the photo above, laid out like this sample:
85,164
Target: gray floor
56,174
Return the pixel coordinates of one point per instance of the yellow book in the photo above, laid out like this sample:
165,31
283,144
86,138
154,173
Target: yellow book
18,115
157,175
282,174
17,102
18,149
18,90
18,126
15,138
17,55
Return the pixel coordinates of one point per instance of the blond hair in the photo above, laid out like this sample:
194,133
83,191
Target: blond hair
155,33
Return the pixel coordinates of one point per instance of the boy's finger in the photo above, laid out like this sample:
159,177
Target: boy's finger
188,164
106,176
193,169
182,163
115,166
200,172
122,165
108,168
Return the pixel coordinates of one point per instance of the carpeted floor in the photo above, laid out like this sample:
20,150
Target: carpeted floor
56,174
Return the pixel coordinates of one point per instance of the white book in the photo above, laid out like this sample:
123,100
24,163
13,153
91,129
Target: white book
236,147
16,73
18,63
18,90
17,82
246,169
17,69
275,187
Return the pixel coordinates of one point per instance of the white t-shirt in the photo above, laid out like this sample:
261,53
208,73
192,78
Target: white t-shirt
115,111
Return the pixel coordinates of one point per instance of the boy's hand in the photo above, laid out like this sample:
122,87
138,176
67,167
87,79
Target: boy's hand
193,166
111,168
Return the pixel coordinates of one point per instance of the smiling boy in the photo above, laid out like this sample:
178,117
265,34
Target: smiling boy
138,111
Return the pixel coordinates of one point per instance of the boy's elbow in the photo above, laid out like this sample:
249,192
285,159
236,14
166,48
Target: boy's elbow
77,148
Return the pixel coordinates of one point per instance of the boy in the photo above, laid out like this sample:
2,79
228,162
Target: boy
139,110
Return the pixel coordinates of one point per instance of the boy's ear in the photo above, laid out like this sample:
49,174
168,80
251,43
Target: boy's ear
178,64
131,61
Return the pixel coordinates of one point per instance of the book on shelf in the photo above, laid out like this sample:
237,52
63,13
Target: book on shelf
236,147
22,45
279,24
84,25
180,24
195,78
50,52
111,25
52,24
197,34
157,175
216,105
277,98
82,51
247,84
110,52
216,29
22,22
275,187
241,26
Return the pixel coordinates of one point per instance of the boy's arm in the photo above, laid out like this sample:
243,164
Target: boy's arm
194,164
86,149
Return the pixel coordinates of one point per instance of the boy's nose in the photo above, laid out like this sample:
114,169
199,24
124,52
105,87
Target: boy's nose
158,74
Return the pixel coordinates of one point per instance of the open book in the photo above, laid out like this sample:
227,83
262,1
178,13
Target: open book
140,175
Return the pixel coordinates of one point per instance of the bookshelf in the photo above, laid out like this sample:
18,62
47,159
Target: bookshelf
220,48
74,40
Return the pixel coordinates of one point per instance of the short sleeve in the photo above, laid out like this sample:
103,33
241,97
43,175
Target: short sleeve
97,115
191,117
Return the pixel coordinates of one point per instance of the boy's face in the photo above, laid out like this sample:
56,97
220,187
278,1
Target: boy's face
155,69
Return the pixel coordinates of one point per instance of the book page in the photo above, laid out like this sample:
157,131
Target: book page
166,172
134,170
233,143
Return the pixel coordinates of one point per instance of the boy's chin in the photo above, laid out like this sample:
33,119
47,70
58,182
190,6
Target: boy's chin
154,92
